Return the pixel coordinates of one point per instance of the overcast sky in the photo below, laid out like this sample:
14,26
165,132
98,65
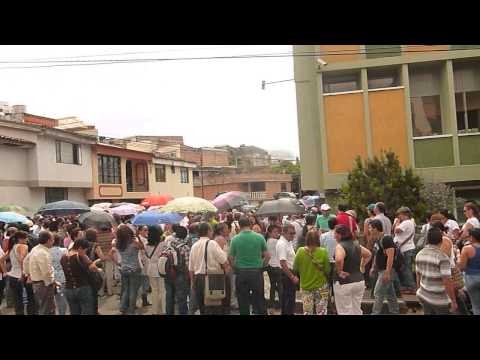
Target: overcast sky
209,102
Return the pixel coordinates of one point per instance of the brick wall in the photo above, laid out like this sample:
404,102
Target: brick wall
205,157
209,191
39,120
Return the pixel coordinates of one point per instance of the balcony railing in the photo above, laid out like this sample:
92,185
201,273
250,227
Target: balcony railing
258,195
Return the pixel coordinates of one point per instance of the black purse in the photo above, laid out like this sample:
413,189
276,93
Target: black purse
95,279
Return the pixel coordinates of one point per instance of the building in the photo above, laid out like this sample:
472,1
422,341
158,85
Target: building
247,157
171,176
421,101
259,186
43,164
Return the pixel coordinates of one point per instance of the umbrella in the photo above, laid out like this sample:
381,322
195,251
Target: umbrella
152,218
156,200
120,204
279,207
16,209
189,204
230,200
100,206
11,217
125,210
97,219
63,208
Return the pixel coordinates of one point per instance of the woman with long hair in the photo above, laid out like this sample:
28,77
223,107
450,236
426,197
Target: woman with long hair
349,283
154,248
128,247
450,223
76,266
310,222
472,213
312,264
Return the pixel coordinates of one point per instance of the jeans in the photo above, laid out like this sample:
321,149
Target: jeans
131,283
44,298
429,309
177,292
406,277
472,284
61,301
348,297
80,300
384,291
246,281
287,301
16,288
275,276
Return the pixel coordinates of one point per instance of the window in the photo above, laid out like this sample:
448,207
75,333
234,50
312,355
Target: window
172,169
383,78
196,173
109,170
257,186
377,51
184,175
55,194
160,175
68,153
425,101
333,83
283,187
467,96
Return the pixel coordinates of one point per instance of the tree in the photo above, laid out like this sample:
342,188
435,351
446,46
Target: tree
439,196
383,179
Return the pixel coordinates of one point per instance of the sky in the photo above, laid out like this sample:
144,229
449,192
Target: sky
209,102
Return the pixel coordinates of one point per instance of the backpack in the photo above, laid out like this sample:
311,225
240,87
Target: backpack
166,264
398,260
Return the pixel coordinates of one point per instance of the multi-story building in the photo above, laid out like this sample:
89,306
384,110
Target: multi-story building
43,164
421,101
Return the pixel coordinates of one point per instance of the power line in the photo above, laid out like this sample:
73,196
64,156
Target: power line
258,56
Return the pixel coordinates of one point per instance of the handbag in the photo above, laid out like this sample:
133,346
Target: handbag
457,278
214,282
95,279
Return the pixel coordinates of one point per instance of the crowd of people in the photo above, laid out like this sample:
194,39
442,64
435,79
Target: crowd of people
217,263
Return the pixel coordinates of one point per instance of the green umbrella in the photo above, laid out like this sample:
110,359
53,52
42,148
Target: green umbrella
16,209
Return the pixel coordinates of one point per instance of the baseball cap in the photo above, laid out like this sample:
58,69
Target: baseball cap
325,207
371,207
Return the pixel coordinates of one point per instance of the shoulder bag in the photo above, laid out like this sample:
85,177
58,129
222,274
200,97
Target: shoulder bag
95,279
214,282
324,292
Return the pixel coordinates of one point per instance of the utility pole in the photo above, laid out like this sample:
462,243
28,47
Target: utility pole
201,170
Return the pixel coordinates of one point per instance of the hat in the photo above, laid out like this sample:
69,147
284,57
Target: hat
325,207
371,207
351,213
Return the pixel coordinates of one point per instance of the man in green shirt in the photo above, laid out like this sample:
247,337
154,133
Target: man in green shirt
248,254
323,217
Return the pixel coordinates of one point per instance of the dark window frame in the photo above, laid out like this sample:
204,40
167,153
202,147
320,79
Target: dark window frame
332,80
160,175
184,175
109,169
49,197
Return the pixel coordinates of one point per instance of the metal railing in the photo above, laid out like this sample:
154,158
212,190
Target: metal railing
258,195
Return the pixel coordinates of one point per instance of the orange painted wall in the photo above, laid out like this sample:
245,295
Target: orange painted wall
349,53
388,123
411,49
345,127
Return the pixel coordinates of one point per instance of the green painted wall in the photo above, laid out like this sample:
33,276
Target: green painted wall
464,47
433,152
469,149
378,51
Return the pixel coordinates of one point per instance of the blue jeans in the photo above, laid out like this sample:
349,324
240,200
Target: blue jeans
131,283
429,309
60,300
385,291
406,277
177,291
80,300
472,284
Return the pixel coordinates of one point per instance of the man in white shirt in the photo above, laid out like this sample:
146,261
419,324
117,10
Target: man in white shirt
217,262
286,256
404,238
38,266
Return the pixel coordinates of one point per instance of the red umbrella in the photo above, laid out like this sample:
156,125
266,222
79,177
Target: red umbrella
155,200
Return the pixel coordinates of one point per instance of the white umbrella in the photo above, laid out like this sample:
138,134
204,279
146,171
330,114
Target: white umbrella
126,210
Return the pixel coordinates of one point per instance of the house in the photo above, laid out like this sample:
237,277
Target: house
42,164
421,101
171,176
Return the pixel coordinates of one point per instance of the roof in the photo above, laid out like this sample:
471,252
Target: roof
8,140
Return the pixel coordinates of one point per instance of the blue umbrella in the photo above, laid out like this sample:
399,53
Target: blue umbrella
152,218
11,217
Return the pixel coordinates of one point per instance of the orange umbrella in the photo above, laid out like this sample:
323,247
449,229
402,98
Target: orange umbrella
156,200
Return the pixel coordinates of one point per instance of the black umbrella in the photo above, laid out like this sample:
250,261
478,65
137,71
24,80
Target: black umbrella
281,207
97,219
63,208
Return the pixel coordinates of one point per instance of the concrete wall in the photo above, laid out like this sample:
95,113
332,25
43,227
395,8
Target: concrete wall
14,165
209,191
53,174
172,186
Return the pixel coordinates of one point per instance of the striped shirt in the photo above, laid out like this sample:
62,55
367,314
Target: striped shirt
433,265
